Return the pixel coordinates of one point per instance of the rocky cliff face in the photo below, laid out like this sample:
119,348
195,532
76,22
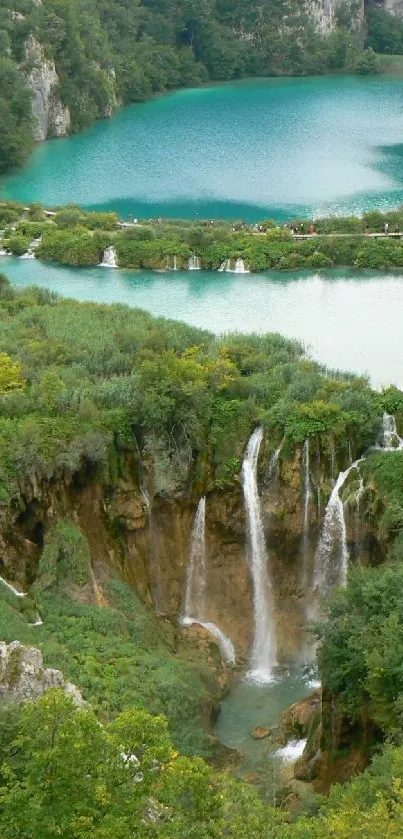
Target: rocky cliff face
52,118
150,546
324,14
23,677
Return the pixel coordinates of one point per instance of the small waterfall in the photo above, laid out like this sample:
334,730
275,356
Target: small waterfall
306,490
3,252
240,267
109,259
331,561
29,254
272,472
12,589
195,593
194,263
390,440
175,265
263,655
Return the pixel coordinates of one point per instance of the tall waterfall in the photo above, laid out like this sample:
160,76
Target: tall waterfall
306,490
194,263
195,593
263,655
196,571
331,561
109,259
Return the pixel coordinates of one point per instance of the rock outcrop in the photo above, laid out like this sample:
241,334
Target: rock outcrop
23,677
324,14
52,118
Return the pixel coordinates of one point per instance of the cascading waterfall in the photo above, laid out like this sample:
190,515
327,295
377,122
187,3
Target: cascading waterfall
195,592
194,263
239,266
263,656
390,440
331,561
175,265
306,490
12,588
272,472
29,254
109,259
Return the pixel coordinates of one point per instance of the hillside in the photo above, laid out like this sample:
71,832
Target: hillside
66,64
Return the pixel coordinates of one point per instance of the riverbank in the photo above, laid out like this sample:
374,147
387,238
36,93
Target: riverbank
71,236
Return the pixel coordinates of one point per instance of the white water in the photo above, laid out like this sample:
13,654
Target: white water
195,594
306,489
12,589
175,266
29,254
331,561
194,263
3,252
239,267
263,656
272,471
390,440
292,751
109,259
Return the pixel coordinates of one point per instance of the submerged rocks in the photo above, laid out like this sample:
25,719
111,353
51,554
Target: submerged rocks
23,677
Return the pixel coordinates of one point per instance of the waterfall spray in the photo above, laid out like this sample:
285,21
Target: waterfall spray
263,656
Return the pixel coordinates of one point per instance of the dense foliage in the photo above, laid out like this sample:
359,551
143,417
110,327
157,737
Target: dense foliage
74,237
81,380
108,52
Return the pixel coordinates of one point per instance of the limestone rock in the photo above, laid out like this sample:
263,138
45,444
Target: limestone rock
23,677
259,733
51,116
297,718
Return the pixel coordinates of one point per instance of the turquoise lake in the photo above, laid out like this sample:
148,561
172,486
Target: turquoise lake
347,320
251,149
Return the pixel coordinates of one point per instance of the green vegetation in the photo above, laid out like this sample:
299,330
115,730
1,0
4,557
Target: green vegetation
119,655
82,379
108,53
75,237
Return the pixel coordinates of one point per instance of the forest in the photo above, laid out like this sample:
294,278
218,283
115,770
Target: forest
109,53
83,388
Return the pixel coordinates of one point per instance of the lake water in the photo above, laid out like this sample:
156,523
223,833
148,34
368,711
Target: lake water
347,320
252,149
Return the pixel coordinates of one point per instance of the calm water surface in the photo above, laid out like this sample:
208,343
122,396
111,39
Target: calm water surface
267,147
347,320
